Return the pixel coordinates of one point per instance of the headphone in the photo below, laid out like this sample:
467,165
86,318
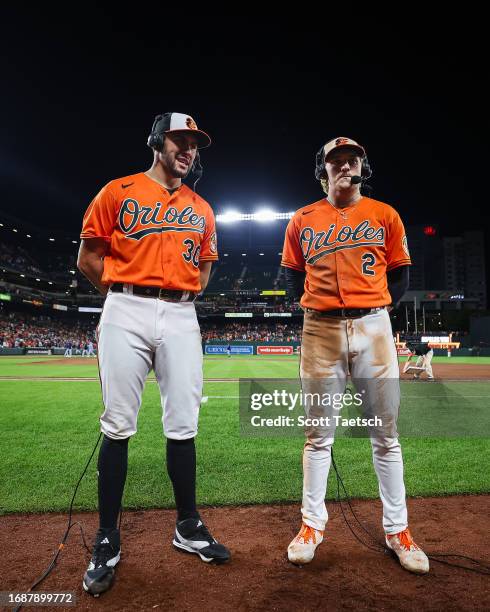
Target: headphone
321,173
157,138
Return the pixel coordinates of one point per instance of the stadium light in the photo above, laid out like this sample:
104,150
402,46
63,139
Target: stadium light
51,240
264,214
28,236
74,241
226,255
244,254
1,224
229,216
23,275
260,253
14,230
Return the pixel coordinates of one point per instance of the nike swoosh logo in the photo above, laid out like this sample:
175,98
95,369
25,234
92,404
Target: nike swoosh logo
308,212
128,185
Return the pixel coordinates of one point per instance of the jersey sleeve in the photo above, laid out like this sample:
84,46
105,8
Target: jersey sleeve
100,217
397,253
292,256
209,245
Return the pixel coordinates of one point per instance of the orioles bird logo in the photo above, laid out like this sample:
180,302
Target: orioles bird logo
405,246
191,124
341,141
212,244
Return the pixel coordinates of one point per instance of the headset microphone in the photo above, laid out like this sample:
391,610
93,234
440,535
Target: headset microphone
355,180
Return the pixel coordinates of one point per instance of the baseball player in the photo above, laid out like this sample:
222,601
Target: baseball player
347,257
148,243
91,352
228,350
424,358
68,349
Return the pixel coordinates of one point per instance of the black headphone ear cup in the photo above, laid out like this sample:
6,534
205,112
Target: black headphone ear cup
156,138
366,171
158,142
320,165
155,141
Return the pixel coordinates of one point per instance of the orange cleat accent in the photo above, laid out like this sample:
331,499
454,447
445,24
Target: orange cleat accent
302,549
411,556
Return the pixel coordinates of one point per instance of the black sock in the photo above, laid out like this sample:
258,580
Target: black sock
113,467
181,466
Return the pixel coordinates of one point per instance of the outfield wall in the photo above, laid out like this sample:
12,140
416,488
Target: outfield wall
241,348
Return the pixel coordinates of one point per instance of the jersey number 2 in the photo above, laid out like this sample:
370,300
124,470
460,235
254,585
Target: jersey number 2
368,261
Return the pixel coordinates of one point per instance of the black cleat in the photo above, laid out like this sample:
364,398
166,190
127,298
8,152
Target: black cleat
192,535
106,554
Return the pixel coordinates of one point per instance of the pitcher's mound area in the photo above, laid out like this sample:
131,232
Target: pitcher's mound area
344,575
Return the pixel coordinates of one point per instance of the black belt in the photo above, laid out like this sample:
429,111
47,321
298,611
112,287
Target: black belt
169,295
347,313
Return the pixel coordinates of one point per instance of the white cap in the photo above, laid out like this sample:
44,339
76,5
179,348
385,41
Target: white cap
339,142
178,122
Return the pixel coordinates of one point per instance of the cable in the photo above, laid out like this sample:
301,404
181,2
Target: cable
68,529
482,568
380,546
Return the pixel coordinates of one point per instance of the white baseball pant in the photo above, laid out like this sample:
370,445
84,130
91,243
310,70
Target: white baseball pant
364,347
137,334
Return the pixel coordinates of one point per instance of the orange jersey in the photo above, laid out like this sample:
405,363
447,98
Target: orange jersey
154,238
345,254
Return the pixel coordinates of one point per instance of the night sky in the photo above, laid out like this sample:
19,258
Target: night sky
80,95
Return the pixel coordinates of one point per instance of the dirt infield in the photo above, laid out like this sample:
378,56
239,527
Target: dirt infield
71,361
344,575
442,371
454,371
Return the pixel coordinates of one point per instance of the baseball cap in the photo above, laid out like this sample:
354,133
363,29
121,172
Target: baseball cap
340,142
179,122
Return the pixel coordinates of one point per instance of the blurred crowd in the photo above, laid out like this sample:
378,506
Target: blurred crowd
20,330
252,332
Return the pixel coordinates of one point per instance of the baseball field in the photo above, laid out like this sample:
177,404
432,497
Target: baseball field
250,491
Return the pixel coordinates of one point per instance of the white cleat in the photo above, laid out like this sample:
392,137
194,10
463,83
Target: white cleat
411,557
302,548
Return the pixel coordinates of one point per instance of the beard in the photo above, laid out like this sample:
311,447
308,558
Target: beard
173,167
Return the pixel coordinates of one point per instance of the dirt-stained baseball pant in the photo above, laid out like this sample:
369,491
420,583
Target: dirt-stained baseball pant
424,362
331,348
136,334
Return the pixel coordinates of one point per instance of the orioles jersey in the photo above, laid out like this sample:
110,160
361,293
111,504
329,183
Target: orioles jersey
154,238
345,253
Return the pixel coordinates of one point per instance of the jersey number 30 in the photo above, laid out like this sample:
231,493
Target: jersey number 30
368,261
192,253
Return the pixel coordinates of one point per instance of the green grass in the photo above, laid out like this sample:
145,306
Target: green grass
48,430
238,366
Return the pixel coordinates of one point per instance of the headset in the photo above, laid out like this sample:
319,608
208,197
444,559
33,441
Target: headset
321,173
157,138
